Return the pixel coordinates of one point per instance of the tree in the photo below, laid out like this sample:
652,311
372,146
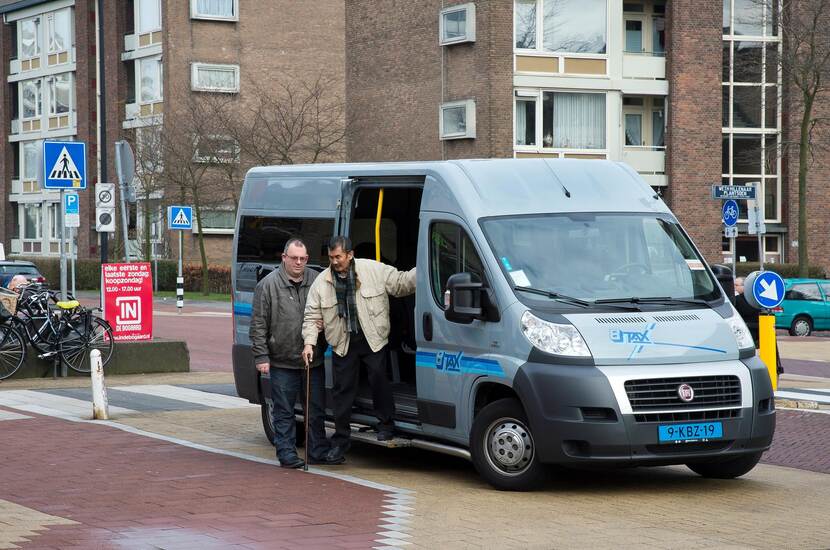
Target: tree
805,67
148,144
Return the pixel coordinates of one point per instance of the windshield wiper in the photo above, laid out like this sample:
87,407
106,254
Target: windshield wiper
651,300
555,296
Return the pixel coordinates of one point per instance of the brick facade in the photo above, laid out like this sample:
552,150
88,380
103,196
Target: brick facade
694,29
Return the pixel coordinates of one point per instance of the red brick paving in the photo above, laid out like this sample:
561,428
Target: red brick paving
802,440
130,491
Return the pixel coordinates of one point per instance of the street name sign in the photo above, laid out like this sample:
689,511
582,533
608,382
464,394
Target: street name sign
733,191
64,165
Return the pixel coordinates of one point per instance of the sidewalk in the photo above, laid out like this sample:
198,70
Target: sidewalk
108,488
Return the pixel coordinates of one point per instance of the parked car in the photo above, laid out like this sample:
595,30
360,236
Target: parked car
10,268
806,306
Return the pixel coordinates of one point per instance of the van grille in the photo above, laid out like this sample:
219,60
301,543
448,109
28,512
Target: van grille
688,416
661,393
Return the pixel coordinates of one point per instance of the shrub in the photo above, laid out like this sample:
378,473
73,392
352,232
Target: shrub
787,271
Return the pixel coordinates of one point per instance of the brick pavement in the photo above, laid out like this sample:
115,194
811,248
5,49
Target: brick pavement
802,440
128,491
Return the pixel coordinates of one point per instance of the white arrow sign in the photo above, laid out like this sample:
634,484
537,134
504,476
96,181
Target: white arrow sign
770,291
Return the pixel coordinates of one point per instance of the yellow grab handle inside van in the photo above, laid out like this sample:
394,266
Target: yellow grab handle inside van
377,225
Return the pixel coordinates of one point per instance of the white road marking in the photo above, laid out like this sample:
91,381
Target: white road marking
6,415
193,314
52,405
823,397
188,395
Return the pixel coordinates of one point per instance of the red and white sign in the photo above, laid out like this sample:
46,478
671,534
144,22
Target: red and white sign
128,300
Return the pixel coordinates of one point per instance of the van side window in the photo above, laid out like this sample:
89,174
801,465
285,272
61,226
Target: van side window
808,291
451,251
261,240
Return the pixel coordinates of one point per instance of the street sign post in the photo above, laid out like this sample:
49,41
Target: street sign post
64,167
180,218
72,219
125,168
730,212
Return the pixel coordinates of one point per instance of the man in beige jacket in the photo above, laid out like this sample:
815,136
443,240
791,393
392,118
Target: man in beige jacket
351,297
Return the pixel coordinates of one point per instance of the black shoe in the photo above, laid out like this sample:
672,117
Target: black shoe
336,455
292,461
386,435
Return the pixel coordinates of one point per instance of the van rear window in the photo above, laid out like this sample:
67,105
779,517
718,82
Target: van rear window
262,238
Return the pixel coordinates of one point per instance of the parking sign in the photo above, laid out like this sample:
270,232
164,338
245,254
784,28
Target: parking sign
71,210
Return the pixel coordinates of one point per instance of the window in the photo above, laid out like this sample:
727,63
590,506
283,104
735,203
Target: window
805,291
633,36
222,10
574,26
59,31
215,78
31,156
31,98
261,239
525,120
60,94
53,221
150,79
216,149
634,129
218,221
457,24
30,38
31,221
457,119
525,24
451,252
826,288
573,120
149,15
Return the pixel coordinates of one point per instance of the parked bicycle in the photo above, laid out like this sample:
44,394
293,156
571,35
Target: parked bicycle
62,330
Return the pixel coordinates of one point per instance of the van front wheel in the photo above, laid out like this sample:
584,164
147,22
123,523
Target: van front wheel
502,447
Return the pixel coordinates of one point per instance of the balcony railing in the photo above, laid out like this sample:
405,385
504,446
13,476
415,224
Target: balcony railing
644,65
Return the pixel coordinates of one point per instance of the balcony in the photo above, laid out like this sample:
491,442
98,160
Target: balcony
644,66
649,162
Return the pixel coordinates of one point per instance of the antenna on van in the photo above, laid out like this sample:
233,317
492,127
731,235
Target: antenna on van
562,185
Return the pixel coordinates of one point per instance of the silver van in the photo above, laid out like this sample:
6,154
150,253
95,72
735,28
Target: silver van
562,314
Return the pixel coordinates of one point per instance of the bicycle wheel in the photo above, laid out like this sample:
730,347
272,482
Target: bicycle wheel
12,351
79,339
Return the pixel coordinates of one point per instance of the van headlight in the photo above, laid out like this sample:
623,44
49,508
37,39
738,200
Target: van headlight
743,338
554,338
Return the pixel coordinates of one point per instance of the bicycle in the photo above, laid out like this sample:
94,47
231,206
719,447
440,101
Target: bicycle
12,349
66,330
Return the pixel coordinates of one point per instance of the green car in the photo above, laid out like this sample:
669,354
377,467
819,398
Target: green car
806,306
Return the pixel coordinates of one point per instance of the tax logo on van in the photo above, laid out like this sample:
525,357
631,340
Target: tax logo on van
632,336
449,362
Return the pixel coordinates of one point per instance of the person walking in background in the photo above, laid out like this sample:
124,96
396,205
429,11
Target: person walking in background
351,297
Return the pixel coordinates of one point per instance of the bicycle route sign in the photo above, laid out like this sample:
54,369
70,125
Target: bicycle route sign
730,213
128,300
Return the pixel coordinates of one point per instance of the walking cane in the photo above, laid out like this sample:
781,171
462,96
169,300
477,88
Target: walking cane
306,414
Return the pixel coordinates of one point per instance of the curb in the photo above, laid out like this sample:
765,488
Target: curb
785,403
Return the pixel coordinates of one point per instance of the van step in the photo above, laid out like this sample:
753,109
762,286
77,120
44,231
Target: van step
369,435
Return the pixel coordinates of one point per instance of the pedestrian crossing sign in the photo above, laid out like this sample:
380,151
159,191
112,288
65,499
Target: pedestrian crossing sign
180,217
64,165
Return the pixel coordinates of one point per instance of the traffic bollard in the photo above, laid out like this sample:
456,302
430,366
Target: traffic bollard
766,347
100,407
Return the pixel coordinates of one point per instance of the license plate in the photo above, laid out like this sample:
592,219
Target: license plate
670,433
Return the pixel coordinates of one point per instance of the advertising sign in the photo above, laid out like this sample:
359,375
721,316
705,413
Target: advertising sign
128,300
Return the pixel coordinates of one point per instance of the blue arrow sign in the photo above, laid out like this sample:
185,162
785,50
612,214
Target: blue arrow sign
768,289
180,217
64,165
730,213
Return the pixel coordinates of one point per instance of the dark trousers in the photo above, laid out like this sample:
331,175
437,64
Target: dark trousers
346,381
286,386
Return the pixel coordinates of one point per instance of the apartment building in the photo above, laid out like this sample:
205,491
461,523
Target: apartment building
688,92
155,55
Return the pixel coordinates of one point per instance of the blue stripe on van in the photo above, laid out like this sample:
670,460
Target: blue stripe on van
458,363
242,309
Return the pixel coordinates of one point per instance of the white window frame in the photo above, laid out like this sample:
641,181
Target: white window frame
39,41
23,164
540,37
213,230
469,115
51,85
38,222
138,63
137,16
194,12
469,28
197,87
40,103
50,22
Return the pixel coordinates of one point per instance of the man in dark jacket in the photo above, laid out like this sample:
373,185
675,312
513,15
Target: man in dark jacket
277,344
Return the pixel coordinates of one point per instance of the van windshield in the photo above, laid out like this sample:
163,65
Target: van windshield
600,257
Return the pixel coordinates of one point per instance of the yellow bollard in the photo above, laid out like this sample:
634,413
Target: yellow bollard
767,348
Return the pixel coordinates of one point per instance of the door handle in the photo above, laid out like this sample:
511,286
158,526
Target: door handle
427,326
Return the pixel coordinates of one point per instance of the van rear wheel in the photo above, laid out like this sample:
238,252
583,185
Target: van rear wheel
502,447
726,469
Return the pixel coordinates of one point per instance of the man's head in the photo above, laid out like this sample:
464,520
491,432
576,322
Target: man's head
739,285
340,253
294,258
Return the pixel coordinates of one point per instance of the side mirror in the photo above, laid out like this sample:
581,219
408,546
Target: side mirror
466,301
726,279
